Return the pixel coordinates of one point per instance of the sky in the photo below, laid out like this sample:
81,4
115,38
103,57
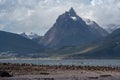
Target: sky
38,16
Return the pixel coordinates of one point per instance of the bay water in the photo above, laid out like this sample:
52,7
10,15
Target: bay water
82,62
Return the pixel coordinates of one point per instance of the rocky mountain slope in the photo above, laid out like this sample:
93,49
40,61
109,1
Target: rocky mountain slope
71,30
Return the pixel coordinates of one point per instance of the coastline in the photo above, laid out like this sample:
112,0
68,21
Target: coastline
59,72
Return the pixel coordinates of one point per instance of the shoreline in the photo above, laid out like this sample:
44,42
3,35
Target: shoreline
64,72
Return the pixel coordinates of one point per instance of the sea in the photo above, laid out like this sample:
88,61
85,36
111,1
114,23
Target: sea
81,62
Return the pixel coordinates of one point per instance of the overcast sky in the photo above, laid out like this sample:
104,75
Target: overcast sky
39,15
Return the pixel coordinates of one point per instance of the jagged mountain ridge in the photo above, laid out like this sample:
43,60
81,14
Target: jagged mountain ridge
112,27
95,27
70,30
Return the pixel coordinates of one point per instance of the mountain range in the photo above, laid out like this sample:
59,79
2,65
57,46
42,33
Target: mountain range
70,37
14,43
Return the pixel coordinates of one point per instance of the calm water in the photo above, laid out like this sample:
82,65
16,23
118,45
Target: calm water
87,62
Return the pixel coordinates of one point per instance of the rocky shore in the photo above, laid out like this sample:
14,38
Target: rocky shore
58,72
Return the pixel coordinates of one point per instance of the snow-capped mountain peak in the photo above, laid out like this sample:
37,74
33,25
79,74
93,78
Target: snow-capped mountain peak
30,36
33,35
24,35
72,12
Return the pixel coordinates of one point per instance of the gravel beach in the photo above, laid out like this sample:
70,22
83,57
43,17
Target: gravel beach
59,72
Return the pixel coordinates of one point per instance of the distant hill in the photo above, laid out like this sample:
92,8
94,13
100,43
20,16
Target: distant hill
108,48
71,30
32,36
14,43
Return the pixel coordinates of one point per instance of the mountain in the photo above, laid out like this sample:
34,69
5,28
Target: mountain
32,36
14,43
108,48
94,27
24,35
112,27
71,30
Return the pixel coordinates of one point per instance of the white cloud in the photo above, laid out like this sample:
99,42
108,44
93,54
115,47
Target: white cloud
39,15
1,27
96,2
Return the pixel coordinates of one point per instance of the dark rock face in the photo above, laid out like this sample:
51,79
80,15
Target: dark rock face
70,30
5,74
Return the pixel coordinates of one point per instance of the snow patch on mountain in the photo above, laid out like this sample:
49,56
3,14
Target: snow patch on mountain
88,21
74,18
112,27
30,35
33,35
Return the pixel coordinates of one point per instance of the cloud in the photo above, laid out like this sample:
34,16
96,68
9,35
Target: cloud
106,12
39,15
1,27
